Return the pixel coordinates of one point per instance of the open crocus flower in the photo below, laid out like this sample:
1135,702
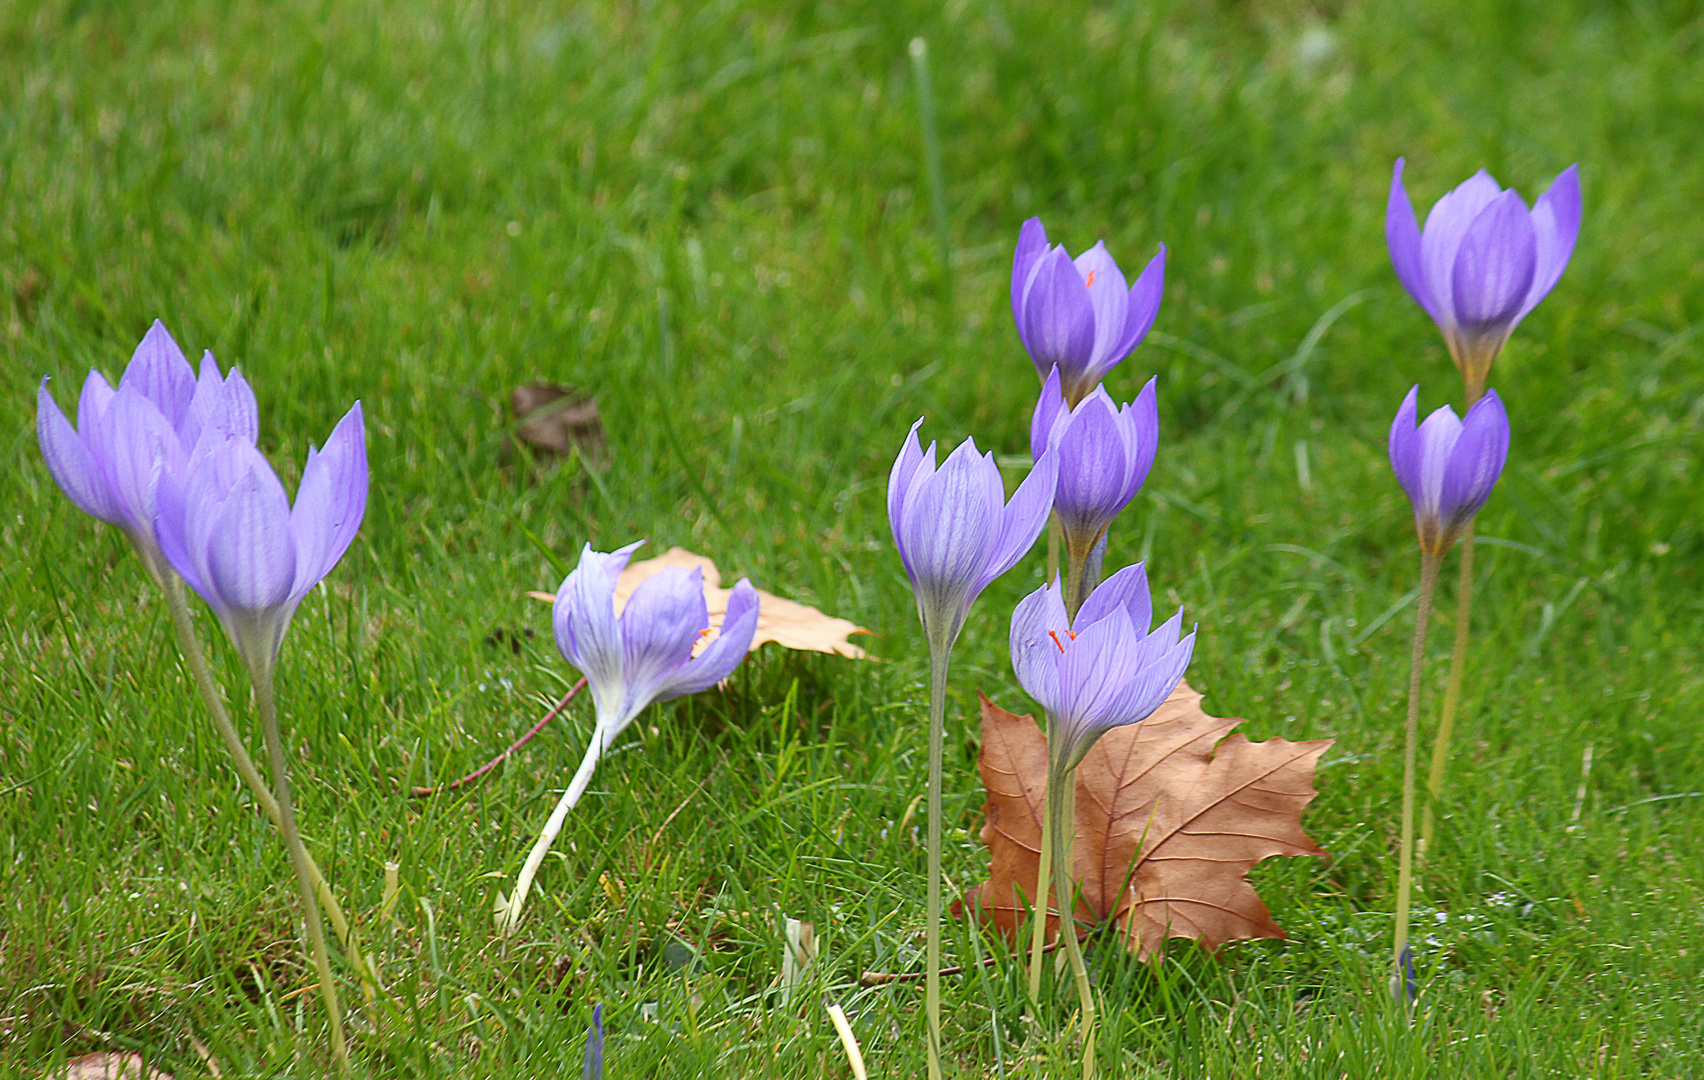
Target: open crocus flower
1078,313
110,464
643,656
955,530
1102,671
1448,466
227,527
1104,452
1483,261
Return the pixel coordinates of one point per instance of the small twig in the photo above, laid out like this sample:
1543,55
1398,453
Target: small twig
883,978
423,792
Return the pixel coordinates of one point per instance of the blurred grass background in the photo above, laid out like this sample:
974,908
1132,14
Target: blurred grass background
714,218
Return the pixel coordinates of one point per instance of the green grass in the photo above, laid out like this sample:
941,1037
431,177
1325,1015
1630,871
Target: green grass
715,218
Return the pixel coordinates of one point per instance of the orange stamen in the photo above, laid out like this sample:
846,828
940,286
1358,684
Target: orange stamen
1072,634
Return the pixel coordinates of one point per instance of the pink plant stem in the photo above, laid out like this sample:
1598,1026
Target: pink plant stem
555,710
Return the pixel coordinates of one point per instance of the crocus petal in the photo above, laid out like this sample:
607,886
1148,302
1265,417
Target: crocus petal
1141,310
160,373
1050,410
1057,321
1476,460
1109,296
1142,427
1162,660
1405,446
1094,467
903,477
1556,226
1022,520
131,445
587,633
69,461
1436,438
1445,226
171,514
1125,591
720,657
250,559
93,402
1032,244
1402,236
1096,665
331,501
222,407
946,532
1494,267
659,626
1039,629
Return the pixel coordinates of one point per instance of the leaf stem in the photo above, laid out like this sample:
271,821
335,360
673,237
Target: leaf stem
1452,695
940,654
300,859
1061,787
1429,562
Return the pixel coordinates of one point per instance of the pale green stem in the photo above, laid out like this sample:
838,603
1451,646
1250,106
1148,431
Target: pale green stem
301,861
1054,535
1405,860
511,916
940,652
1061,787
1076,562
1452,695
177,604
1043,878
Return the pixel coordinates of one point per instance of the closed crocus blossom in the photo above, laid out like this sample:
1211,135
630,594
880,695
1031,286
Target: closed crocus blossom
1448,466
1078,313
954,528
228,528
645,655
1103,670
110,463
1483,261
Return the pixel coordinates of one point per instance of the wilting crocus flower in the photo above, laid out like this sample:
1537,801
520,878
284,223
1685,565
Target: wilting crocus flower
227,527
955,530
643,656
1104,452
1103,670
1079,314
1448,466
1100,671
593,1067
1483,261
110,464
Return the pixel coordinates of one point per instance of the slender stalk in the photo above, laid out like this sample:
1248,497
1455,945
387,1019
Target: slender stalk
1061,787
932,165
511,916
1077,582
177,604
1054,535
1452,695
940,653
1429,562
1043,878
301,861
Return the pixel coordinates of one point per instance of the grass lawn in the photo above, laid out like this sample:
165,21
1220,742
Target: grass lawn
716,219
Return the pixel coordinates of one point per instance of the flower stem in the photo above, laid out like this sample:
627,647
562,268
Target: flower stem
177,604
1405,866
1452,695
511,915
940,653
1043,878
1061,787
302,862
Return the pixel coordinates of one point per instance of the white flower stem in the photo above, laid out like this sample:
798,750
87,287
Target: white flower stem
512,914
300,860
177,604
1452,695
1043,879
1061,792
940,653
1429,562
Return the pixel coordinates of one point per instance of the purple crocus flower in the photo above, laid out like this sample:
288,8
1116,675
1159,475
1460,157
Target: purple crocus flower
1448,466
1079,314
955,530
1104,451
593,1067
1102,671
643,656
1483,261
227,527
110,464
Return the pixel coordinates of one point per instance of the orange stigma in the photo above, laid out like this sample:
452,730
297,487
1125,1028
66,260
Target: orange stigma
1091,281
1072,634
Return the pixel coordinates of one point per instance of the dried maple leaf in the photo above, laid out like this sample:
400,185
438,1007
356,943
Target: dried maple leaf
1170,817
786,622
109,1066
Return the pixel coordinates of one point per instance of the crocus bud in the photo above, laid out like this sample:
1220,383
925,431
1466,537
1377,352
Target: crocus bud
1483,261
1448,466
1078,313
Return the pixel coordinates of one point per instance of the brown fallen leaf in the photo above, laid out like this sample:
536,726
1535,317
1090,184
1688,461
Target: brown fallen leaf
1193,810
786,622
557,420
109,1066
